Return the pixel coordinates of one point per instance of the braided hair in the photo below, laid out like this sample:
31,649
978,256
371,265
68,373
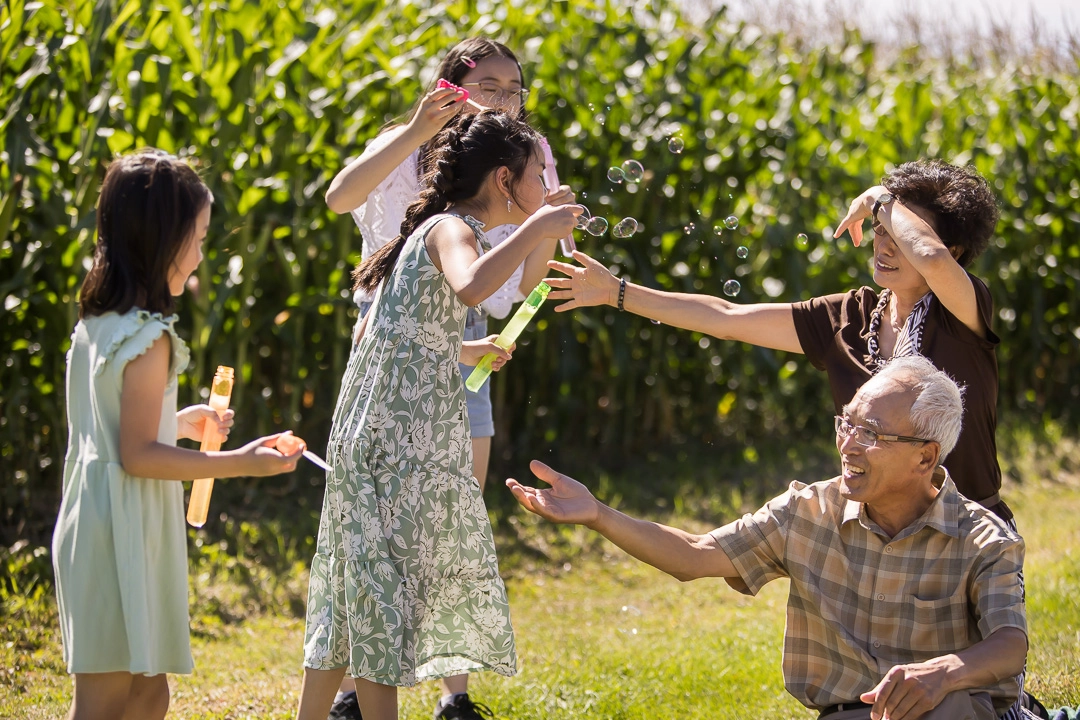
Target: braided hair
463,155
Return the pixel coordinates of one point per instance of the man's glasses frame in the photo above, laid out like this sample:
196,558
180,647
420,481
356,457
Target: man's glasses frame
868,437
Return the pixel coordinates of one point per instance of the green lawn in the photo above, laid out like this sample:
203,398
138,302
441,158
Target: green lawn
599,635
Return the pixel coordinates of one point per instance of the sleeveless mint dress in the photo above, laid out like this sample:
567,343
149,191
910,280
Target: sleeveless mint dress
120,546
405,584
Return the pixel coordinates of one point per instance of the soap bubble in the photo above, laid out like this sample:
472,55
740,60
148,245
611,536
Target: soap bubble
802,241
718,229
731,222
583,219
615,174
743,251
632,170
596,226
629,616
689,228
676,145
625,228
732,288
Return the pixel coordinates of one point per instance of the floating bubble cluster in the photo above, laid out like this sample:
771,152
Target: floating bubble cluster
732,288
731,222
742,251
615,174
633,171
676,145
625,228
802,241
689,228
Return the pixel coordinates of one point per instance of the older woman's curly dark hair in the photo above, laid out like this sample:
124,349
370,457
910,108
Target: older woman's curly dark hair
964,208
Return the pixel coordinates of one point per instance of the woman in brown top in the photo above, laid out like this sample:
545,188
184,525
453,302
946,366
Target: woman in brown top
931,220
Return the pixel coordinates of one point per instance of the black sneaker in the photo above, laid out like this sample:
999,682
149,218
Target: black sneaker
347,708
462,707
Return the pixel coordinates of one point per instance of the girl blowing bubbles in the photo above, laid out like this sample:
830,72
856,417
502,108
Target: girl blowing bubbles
119,548
405,584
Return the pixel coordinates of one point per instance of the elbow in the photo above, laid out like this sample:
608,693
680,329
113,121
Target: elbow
339,204
471,296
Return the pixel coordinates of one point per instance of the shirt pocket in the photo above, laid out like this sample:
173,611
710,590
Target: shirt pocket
939,625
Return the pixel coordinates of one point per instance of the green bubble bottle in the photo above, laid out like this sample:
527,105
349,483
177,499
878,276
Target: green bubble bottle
509,334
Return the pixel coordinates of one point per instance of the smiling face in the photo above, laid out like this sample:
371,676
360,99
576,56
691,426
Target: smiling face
495,82
887,473
189,257
891,269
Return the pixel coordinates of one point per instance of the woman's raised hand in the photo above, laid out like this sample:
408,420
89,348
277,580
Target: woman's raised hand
586,285
860,209
436,109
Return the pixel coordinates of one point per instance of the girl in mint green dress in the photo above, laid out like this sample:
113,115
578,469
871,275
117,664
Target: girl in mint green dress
405,584
119,548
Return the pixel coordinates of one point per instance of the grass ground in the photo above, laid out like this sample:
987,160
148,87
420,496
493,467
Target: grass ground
599,635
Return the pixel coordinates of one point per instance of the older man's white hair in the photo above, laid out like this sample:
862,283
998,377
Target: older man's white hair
938,410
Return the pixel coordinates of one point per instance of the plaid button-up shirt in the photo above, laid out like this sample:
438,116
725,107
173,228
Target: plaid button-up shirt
861,602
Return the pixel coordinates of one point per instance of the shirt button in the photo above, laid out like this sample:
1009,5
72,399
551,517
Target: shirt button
888,548
880,596
877,644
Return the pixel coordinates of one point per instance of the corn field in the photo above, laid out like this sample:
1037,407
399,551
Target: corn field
270,100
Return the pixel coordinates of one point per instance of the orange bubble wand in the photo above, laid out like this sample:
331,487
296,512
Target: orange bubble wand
220,394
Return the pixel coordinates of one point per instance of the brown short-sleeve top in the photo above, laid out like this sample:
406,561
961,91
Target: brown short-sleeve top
833,329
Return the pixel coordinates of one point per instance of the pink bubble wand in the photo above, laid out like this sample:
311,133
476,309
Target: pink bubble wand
444,83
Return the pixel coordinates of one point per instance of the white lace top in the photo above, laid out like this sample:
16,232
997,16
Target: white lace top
379,220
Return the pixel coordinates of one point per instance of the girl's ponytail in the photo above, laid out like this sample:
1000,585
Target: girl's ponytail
439,186
461,158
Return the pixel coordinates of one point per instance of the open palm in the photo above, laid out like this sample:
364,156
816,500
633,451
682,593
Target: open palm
566,501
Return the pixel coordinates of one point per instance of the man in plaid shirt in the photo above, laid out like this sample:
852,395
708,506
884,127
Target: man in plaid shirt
905,599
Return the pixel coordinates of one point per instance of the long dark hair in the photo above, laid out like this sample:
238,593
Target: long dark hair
463,154
147,210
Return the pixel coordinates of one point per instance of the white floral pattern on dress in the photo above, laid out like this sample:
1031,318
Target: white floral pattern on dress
405,584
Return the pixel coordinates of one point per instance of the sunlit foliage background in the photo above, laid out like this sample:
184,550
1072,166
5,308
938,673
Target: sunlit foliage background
270,99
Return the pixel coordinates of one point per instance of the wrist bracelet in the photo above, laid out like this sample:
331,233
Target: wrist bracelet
622,292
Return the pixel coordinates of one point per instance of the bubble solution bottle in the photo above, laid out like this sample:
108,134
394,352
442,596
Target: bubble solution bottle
220,394
509,333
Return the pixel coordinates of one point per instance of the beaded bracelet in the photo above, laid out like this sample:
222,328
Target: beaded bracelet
622,292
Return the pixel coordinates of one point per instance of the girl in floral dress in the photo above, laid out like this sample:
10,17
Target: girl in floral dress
405,584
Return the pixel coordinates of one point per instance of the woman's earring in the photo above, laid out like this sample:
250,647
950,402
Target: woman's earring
509,205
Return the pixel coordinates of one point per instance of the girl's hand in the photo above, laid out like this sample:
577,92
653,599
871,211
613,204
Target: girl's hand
473,351
555,221
262,458
861,208
561,195
587,285
191,422
436,109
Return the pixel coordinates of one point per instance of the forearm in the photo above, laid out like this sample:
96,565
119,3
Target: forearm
166,462
680,554
768,325
536,265
987,662
350,187
488,273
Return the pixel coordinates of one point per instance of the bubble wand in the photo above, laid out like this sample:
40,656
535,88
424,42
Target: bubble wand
220,394
551,180
509,334
444,83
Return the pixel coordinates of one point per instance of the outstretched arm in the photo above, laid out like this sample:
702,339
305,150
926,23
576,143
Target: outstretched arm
907,692
770,325
922,247
682,555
